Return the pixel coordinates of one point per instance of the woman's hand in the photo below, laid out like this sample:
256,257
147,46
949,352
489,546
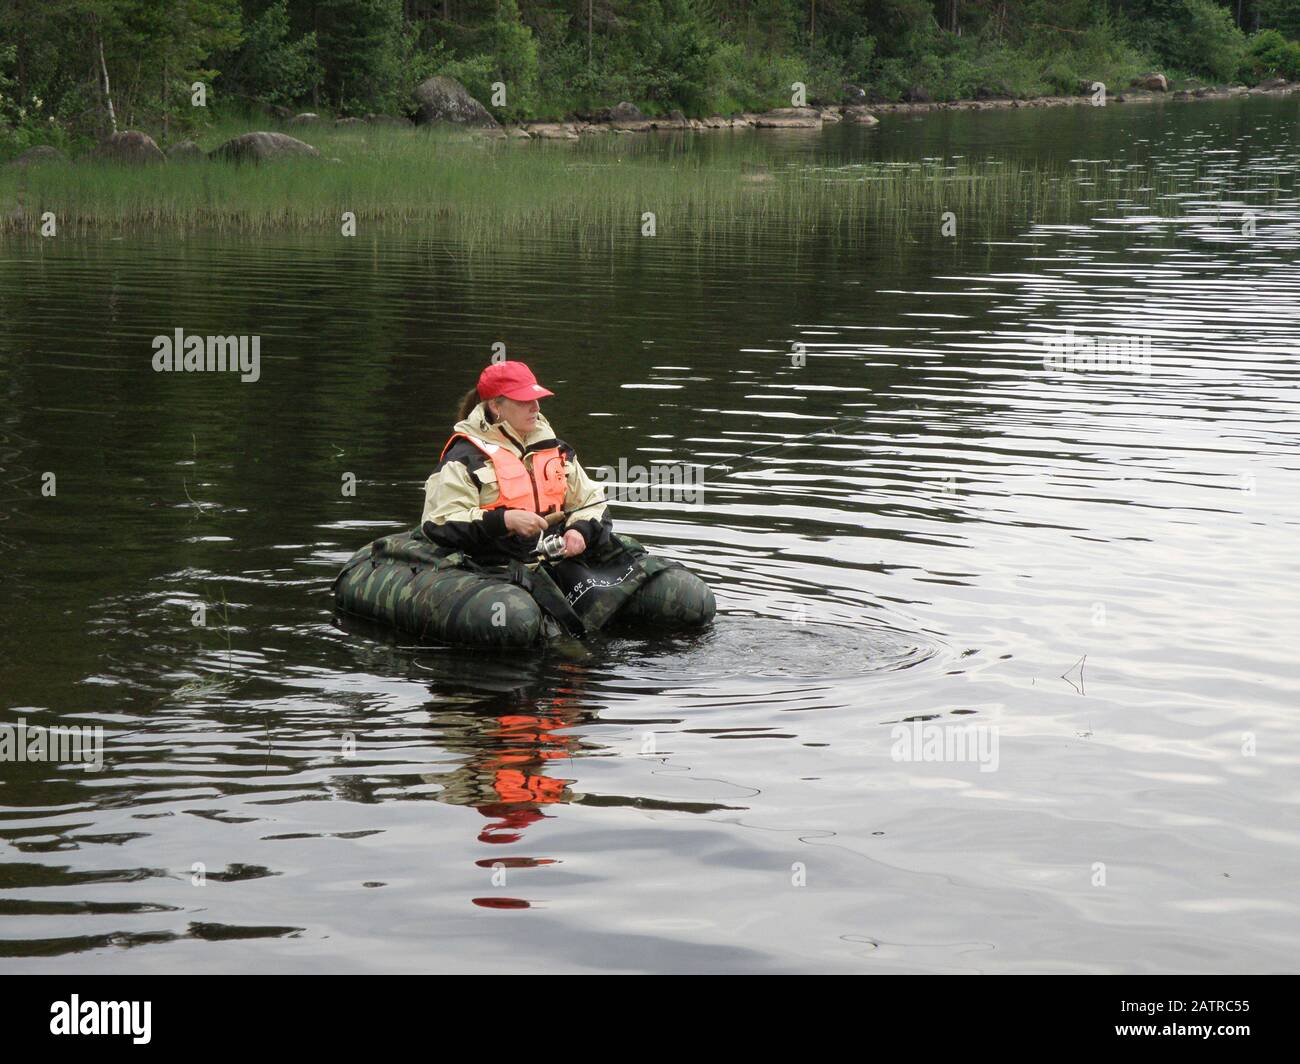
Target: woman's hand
574,544
525,523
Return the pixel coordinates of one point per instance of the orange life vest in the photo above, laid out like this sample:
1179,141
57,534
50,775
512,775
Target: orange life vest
540,490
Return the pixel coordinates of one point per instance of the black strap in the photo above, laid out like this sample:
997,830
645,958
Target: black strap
548,596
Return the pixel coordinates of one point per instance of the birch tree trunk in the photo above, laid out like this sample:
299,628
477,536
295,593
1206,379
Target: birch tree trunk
103,69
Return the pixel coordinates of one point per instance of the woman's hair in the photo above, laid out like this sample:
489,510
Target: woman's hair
468,402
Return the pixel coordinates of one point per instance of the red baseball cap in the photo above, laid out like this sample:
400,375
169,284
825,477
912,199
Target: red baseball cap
514,380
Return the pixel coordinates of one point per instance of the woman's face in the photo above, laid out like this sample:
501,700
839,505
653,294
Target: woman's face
522,417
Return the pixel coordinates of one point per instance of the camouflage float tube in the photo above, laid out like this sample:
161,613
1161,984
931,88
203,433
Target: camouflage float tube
440,595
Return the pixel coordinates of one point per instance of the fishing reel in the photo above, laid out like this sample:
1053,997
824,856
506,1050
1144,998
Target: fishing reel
551,545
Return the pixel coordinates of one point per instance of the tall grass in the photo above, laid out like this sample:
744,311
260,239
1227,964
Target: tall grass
483,192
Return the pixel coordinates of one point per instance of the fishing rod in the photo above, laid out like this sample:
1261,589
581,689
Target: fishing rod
551,545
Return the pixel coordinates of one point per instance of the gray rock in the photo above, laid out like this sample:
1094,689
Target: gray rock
551,131
307,118
788,118
1153,82
860,116
129,146
441,99
624,112
184,152
261,147
345,122
42,153
854,95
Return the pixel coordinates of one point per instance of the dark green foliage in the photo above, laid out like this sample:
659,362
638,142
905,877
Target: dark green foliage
1280,15
1271,55
272,64
549,58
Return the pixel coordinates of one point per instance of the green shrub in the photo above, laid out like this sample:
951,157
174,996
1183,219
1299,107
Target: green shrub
1270,55
1195,37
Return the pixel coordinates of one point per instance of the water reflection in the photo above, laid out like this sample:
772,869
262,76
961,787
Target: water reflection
982,526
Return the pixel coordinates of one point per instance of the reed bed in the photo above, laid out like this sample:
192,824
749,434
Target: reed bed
484,192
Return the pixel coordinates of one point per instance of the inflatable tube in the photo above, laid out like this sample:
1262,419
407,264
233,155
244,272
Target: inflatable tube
408,583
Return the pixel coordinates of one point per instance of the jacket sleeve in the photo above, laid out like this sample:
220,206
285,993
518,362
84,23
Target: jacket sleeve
593,522
452,515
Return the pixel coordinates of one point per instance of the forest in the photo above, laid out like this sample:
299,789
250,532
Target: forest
72,69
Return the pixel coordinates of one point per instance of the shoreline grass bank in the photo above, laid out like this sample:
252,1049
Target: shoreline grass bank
479,192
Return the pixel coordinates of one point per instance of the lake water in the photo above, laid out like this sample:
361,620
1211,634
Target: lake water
1088,574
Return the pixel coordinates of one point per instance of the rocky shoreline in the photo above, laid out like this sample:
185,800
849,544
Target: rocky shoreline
444,101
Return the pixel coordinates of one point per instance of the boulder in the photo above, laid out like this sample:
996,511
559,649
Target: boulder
1271,84
1152,82
518,133
831,114
184,152
787,118
677,118
307,118
551,131
261,147
860,116
281,112
441,99
633,125
39,155
853,95
344,123
1238,90
129,146
624,112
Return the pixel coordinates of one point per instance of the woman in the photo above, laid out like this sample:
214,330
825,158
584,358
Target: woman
502,469
471,575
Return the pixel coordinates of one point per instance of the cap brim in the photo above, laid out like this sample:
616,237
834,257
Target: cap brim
526,392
